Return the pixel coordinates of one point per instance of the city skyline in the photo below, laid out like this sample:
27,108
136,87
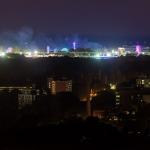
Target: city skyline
74,72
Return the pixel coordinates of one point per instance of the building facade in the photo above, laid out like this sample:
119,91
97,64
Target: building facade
25,95
58,86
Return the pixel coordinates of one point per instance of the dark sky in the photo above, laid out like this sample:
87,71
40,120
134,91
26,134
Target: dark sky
92,17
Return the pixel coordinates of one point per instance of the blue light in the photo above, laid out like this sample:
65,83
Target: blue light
65,50
74,45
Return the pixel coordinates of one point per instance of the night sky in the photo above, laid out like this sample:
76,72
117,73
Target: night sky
92,17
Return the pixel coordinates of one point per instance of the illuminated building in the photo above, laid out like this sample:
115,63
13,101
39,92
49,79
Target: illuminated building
11,88
117,99
25,95
131,95
99,113
103,104
143,82
58,86
126,98
121,51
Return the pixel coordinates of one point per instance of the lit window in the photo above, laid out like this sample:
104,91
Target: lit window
143,82
118,96
112,86
127,112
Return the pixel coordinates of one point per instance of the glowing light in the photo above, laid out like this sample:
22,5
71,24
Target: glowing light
116,53
35,52
74,45
2,54
121,51
48,49
9,50
113,86
143,82
108,54
29,54
65,50
128,52
97,55
138,50
127,112
92,94
113,51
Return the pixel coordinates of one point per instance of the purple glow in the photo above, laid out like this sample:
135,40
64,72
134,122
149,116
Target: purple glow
74,45
138,50
9,50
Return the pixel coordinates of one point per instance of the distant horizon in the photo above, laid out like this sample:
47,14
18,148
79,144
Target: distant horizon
27,36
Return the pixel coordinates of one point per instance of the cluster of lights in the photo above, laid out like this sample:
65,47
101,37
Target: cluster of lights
105,53
32,54
113,53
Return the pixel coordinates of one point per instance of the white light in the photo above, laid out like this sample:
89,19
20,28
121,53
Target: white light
97,55
35,52
29,54
128,52
108,54
116,52
2,54
113,51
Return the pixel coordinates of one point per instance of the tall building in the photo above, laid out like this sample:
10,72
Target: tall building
117,98
132,95
25,95
57,86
